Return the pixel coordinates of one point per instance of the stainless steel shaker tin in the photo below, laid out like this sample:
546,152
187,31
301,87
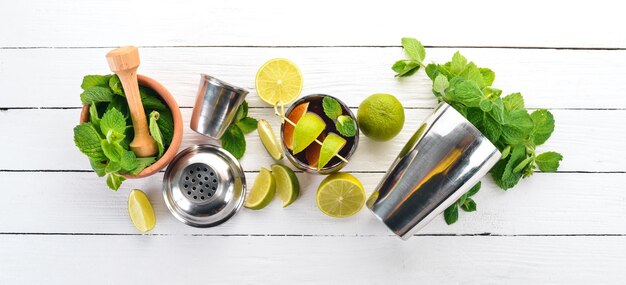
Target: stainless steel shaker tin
442,161
204,186
216,106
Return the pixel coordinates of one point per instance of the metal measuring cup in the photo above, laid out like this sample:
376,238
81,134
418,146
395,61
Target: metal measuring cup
441,162
216,106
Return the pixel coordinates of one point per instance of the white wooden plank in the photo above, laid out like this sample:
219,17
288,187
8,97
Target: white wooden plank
41,23
302,260
587,138
543,204
547,78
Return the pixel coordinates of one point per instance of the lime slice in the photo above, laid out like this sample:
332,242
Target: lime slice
140,211
330,147
307,129
269,139
262,191
287,185
340,195
278,82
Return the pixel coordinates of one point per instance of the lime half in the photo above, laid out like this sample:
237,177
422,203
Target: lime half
287,185
340,195
140,211
262,191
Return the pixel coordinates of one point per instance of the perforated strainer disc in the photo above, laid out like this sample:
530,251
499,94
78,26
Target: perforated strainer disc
204,186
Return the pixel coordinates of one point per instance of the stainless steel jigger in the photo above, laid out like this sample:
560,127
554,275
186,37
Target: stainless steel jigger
204,185
216,106
442,161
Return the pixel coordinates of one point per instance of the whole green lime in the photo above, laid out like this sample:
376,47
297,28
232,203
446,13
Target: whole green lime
381,117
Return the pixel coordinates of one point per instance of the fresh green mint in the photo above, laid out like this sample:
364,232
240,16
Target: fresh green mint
451,214
106,137
234,140
331,107
155,132
504,120
345,126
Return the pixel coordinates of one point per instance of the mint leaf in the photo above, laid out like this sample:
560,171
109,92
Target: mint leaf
414,49
247,125
98,166
87,139
96,94
242,112
129,161
405,68
345,126
432,71
155,132
113,120
502,172
114,180
467,93
440,84
488,75
549,161
112,150
95,80
543,125
142,163
518,127
116,85
474,190
93,116
150,100
485,105
332,108
234,141
469,205
113,166
458,63
451,214
513,102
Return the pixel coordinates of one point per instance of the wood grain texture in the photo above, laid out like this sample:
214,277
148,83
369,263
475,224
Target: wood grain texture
40,23
305,260
547,78
586,138
544,204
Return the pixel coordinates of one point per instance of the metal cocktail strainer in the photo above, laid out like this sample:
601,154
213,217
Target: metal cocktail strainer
204,185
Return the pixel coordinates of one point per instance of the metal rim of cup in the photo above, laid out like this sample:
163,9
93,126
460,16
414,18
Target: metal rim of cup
326,169
222,83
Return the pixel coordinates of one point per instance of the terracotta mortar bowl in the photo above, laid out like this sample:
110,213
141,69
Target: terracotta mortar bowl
178,126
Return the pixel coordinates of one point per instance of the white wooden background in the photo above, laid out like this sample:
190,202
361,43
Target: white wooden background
59,224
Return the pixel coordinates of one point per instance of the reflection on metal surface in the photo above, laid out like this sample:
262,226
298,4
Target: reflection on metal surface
443,160
216,106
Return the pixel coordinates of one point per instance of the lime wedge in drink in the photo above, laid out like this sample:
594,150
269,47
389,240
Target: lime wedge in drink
307,129
262,191
287,185
330,147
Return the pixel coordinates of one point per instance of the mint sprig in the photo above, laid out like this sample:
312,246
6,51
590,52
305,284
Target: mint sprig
505,121
234,140
345,125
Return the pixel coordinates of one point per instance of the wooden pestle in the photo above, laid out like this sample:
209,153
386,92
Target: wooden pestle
124,62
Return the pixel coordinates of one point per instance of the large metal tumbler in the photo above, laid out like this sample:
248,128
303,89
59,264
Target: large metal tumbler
216,106
442,161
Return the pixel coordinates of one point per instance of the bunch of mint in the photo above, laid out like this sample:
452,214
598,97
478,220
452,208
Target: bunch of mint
503,120
106,137
233,139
